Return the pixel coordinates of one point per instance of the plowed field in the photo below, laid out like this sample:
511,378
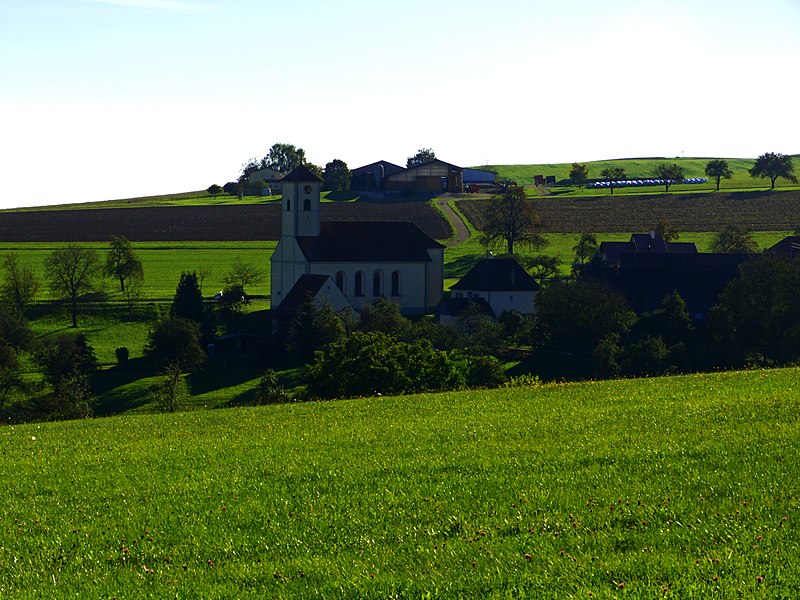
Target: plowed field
197,223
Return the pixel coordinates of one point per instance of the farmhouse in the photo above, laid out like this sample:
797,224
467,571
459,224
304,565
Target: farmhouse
647,268
270,177
363,260
498,284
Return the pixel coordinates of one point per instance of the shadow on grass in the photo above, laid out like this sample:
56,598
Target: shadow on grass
341,196
120,389
462,264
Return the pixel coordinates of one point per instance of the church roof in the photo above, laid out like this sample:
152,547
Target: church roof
301,173
497,275
368,241
304,290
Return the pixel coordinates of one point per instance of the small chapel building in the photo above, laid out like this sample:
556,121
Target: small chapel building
364,260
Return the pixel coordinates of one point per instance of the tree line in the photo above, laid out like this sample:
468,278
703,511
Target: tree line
769,165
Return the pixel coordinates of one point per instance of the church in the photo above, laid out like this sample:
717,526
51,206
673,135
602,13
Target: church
350,263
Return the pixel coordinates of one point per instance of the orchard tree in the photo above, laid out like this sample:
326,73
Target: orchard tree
336,177
70,273
422,156
214,189
579,174
613,175
122,262
585,248
243,274
542,267
773,165
666,231
511,218
20,284
718,169
733,239
669,174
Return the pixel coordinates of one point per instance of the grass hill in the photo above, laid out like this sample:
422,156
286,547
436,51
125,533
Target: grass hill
669,487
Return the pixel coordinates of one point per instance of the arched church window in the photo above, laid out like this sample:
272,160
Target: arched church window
306,205
340,281
395,283
288,204
359,291
377,284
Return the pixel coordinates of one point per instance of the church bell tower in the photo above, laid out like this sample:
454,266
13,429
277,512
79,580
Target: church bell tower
301,189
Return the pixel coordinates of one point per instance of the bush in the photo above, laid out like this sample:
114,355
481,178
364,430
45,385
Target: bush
270,390
176,340
122,356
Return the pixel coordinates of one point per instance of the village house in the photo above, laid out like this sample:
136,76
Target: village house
363,260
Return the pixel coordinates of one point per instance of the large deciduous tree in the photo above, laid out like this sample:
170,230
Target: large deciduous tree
511,218
773,165
613,175
579,174
283,157
20,284
423,155
718,169
70,273
336,177
176,341
669,174
122,262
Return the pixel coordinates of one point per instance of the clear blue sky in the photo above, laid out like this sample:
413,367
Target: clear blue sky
104,99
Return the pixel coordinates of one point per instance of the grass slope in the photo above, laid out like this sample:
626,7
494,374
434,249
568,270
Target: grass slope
677,487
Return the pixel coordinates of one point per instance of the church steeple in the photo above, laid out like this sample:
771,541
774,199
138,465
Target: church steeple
301,189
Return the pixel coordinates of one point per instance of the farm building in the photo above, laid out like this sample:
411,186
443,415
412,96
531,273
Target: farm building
364,260
478,177
372,177
434,176
501,283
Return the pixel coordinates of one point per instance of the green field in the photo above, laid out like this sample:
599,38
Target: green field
670,487
641,168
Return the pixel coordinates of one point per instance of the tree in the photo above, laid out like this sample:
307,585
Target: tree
315,169
422,156
188,300
175,340
171,391
214,190
233,188
15,336
283,158
67,362
612,175
312,328
20,284
270,390
773,165
122,262
384,316
669,174
579,174
666,231
70,273
585,248
511,218
718,169
732,239
542,267
336,177
243,274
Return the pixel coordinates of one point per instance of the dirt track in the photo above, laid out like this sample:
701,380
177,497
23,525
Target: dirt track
197,223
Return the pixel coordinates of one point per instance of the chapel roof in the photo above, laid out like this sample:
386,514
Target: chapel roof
301,173
495,275
368,241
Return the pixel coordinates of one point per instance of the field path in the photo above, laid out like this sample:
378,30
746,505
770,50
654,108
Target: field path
459,227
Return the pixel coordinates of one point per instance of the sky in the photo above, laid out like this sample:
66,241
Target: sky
109,99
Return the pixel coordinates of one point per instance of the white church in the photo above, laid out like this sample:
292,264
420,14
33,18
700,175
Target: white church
350,263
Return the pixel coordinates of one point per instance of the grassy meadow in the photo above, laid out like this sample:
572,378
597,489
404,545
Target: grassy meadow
667,487
642,168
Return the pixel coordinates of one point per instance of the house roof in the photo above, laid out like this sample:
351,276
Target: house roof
303,290
368,241
497,275
387,166
789,245
425,165
644,243
301,173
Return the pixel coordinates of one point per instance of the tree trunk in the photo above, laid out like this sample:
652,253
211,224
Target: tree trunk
74,312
